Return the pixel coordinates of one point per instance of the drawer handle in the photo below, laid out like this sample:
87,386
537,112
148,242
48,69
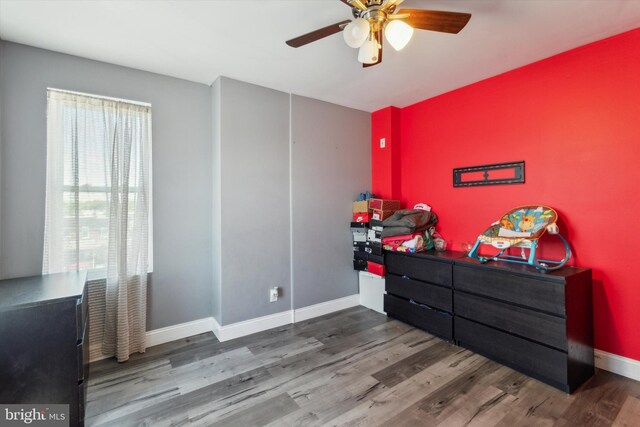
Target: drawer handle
428,307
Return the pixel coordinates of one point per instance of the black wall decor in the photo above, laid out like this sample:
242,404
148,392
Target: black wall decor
493,174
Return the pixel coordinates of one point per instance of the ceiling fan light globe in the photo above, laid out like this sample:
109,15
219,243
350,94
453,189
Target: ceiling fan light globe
398,34
356,32
368,53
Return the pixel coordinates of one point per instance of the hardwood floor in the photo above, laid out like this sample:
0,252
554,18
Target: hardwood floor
351,368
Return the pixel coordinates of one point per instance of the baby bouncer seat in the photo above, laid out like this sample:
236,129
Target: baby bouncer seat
522,227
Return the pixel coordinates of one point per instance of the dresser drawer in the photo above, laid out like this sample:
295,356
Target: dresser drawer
540,327
526,291
430,320
82,352
81,313
418,268
424,293
82,396
541,362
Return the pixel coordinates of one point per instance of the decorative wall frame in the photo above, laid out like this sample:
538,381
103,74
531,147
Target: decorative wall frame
492,174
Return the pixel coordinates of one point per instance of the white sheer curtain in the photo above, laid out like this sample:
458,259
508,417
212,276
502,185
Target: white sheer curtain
98,209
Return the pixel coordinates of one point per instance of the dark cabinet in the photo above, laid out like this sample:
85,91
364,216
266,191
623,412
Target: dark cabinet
43,335
422,292
531,291
421,266
541,327
538,361
436,322
538,323
419,292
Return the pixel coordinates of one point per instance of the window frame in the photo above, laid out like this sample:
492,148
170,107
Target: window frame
99,273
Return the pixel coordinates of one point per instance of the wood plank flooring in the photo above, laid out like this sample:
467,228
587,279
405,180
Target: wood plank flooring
355,367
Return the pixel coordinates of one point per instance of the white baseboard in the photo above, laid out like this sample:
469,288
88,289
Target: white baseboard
620,365
176,332
168,334
251,326
247,327
323,308
259,324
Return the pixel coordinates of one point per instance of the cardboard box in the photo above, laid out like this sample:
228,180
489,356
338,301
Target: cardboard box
376,224
384,205
371,291
361,256
361,206
362,217
373,248
359,246
375,268
378,259
381,215
362,226
359,265
359,236
374,236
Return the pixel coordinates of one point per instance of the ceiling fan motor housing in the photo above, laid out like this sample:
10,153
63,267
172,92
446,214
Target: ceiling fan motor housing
372,5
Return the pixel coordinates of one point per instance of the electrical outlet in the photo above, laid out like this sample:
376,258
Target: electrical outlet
383,142
274,293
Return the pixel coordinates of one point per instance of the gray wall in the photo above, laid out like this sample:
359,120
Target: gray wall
243,176
254,200
180,288
217,206
290,168
331,165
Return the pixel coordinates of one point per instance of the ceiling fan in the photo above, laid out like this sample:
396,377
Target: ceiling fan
373,17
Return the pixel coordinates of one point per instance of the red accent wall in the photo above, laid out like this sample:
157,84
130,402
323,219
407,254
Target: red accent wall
574,119
385,162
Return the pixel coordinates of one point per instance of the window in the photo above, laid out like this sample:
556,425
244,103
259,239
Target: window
98,182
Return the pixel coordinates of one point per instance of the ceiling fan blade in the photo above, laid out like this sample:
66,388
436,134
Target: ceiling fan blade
435,20
355,3
317,34
378,36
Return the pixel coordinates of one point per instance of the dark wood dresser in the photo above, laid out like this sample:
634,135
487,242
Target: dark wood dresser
420,291
538,323
43,336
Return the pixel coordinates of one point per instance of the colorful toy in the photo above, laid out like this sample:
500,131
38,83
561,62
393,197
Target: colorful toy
522,227
365,196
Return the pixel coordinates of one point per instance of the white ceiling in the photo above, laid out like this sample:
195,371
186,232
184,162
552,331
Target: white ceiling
242,39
